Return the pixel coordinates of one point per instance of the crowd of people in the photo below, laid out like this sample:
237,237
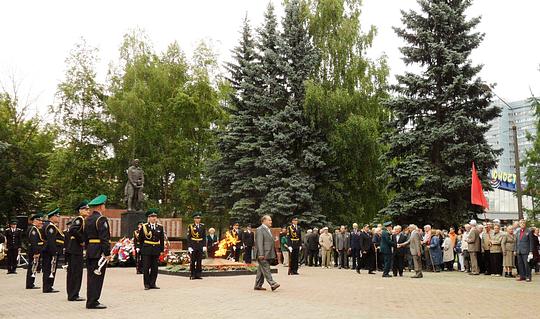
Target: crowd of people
488,248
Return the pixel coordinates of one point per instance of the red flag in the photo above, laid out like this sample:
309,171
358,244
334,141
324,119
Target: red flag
477,194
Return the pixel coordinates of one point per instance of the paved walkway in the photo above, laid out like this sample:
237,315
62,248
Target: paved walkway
316,293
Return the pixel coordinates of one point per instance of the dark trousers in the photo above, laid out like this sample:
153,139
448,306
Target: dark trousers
398,265
524,270
12,254
48,283
29,279
313,257
343,259
237,253
380,260
150,270
486,258
387,263
293,263
94,283
336,257
366,262
74,275
195,266
355,255
247,254
495,262
138,262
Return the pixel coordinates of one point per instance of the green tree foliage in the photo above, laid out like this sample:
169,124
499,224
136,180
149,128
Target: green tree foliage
440,117
78,166
532,162
344,103
161,110
24,150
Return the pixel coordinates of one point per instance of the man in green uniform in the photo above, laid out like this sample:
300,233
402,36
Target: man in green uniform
97,235
294,238
54,245
136,237
152,242
74,253
386,248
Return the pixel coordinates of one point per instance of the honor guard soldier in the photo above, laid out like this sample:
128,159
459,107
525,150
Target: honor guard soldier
54,244
98,251
36,243
294,239
237,235
152,244
136,238
74,252
386,248
196,241
13,246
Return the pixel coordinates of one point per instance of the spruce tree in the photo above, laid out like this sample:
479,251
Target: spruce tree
439,117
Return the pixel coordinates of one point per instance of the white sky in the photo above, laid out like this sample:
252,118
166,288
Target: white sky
36,36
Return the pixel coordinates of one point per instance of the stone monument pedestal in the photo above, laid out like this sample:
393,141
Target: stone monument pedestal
129,221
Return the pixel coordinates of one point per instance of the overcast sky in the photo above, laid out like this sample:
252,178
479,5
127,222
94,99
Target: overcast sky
37,36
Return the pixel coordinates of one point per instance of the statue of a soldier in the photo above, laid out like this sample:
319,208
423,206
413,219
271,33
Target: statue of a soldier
134,187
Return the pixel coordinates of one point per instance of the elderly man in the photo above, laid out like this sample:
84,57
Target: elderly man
415,245
523,250
355,246
399,253
426,240
485,240
327,244
473,240
342,246
466,264
264,243
312,243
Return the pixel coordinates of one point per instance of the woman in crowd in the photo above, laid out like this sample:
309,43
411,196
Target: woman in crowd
507,247
495,252
212,243
435,250
448,251
283,243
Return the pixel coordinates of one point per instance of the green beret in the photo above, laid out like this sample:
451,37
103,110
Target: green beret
152,212
55,212
13,222
37,216
83,204
141,222
387,224
196,215
101,199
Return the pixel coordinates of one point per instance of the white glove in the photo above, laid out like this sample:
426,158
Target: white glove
138,249
530,257
290,249
234,248
204,249
190,250
300,248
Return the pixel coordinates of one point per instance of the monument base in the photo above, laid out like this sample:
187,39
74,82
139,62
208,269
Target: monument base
129,221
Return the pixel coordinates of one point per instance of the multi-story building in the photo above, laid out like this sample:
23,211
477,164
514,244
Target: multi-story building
502,201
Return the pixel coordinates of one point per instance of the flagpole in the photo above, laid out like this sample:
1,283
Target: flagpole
518,173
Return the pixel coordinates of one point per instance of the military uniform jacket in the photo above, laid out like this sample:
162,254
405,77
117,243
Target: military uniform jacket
152,241
237,236
13,238
76,236
54,239
136,238
196,236
294,236
97,235
386,242
36,241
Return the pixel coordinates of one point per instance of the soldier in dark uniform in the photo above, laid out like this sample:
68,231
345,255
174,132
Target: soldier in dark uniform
386,248
236,249
54,245
36,243
152,241
97,236
294,238
13,246
74,252
248,240
196,241
138,257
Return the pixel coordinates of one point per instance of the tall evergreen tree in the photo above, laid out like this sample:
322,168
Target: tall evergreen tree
232,176
440,117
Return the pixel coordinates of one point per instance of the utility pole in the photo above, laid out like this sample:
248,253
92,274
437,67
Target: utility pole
518,173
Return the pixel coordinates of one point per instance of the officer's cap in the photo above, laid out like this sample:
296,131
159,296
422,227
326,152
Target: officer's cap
101,199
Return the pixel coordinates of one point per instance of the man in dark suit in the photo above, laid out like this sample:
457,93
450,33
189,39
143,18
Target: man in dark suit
248,240
355,246
152,242
13,246
366,249
386,248
523,250
196,241
312,244
97,236
266,252
399,253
